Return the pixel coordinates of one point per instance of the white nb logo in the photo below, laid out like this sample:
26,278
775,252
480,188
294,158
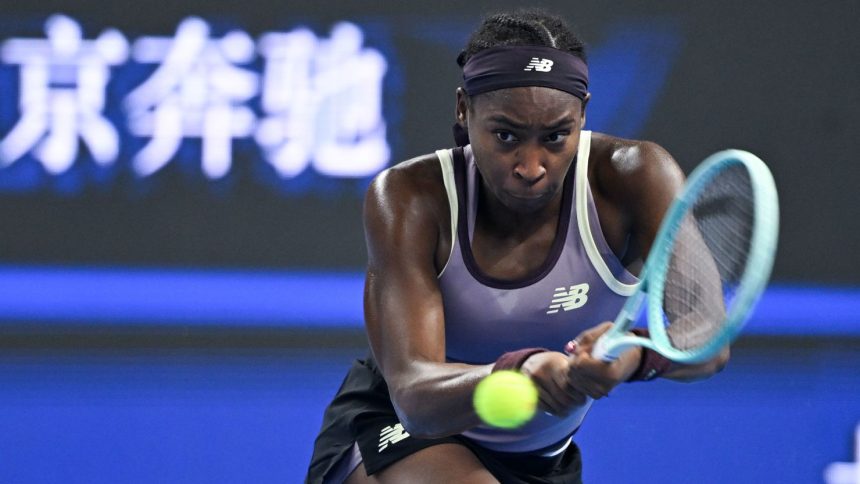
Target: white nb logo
569,299
391,435
536,64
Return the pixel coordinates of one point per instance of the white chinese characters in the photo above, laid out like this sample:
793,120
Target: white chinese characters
197,91
323,99
317,104
62,95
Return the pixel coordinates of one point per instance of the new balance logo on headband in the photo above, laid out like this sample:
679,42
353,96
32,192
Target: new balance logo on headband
542,65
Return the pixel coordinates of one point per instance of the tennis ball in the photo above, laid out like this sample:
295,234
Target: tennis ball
505,399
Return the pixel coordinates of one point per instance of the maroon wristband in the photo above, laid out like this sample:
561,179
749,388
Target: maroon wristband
513,360
652,364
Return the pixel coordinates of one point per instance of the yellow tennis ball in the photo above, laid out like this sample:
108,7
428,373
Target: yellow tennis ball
505,399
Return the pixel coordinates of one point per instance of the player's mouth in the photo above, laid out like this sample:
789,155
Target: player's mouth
529,196
529,200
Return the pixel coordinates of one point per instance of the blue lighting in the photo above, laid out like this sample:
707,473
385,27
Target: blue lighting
627,72
112,296
190,297
807,310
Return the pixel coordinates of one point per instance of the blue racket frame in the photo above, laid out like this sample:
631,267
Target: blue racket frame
653,276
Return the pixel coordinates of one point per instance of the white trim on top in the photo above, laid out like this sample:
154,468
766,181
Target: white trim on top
446,160
585,234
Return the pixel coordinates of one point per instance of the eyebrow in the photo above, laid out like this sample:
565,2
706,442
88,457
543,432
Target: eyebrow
502,119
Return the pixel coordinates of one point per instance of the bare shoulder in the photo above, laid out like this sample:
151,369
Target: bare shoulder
406,214
415,183
625,168
637,181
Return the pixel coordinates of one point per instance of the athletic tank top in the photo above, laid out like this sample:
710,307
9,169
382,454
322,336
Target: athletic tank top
581,284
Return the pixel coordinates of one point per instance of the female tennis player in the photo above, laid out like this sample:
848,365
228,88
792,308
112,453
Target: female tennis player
492,256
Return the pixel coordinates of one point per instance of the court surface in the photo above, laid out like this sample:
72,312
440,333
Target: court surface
779,413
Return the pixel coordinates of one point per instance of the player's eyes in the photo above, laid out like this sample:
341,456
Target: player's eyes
557,137
506,137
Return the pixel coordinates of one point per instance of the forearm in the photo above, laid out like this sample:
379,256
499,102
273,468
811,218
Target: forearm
435,399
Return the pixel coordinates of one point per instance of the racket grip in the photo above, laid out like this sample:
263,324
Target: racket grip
609,349
601,352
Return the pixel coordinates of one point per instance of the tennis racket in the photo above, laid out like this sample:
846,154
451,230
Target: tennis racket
708,265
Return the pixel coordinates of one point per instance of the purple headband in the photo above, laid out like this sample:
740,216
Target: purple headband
519,65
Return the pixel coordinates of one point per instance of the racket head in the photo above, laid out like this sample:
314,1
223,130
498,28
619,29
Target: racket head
730,202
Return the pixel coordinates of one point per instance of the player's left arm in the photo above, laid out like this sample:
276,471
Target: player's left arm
644,179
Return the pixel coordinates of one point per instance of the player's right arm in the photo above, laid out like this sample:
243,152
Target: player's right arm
403,215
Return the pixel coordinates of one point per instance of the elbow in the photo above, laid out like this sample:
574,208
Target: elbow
419,429
717,364
722,360
700,371
414,414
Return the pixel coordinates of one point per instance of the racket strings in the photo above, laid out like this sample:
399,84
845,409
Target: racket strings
708,259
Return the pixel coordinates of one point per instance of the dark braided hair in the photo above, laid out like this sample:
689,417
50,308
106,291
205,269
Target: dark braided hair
529,26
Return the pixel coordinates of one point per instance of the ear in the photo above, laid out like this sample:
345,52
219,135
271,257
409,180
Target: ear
582,110
462,107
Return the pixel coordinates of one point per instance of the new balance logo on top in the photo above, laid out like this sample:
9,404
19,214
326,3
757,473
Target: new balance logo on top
536,64
568,299
391,435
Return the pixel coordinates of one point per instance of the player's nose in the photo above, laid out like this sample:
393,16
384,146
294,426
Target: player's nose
530,167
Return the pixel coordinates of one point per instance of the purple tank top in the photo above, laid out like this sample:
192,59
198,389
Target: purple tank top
581,284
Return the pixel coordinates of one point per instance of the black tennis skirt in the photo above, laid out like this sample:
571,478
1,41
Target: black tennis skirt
362,413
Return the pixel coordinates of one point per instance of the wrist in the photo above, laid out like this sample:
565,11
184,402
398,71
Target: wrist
632,359
513,360
651,364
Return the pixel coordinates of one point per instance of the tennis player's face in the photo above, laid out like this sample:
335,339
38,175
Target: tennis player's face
524,140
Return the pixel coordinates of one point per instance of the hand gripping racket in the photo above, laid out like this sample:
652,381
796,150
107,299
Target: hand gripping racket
708,265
